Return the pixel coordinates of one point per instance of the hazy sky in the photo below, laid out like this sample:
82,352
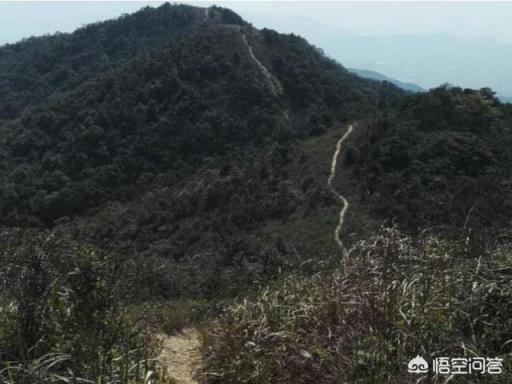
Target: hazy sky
309,19
462,19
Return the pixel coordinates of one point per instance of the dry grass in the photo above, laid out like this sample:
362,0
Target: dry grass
131,367
401,298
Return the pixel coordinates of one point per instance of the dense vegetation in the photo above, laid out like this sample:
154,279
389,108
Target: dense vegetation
61,315
162,114
39,67
401,297
443,159
151,158
179,153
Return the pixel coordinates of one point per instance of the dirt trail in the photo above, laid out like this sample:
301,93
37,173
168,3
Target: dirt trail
273,83
181,355
346,205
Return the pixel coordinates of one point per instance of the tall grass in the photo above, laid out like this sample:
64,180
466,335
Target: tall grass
401,297
62,319
131,367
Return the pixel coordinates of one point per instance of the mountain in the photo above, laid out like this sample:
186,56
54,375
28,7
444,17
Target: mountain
39,67
166,135
158,166
368,74
230,140
166,109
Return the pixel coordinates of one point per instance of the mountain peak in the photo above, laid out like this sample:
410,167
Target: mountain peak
69,59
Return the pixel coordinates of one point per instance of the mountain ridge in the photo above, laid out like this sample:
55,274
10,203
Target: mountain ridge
374,75
36,67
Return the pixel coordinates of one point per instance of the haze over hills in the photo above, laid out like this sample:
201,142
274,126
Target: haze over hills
380,77
464,43
428,61
180,155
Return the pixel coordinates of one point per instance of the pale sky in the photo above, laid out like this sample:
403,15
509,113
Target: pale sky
309,19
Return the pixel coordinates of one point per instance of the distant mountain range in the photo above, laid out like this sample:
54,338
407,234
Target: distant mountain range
427,61
374,75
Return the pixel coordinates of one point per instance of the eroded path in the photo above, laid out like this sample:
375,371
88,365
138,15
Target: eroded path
181,355
273,83
345,203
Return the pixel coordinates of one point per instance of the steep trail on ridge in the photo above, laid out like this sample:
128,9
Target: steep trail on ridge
346,205
274,84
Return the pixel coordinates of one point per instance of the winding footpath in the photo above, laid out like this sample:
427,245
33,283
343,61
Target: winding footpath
181,353
346,205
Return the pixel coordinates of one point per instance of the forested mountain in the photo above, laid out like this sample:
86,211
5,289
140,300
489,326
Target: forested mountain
442,159
166,110
38,67
183,141
201,132
182,153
